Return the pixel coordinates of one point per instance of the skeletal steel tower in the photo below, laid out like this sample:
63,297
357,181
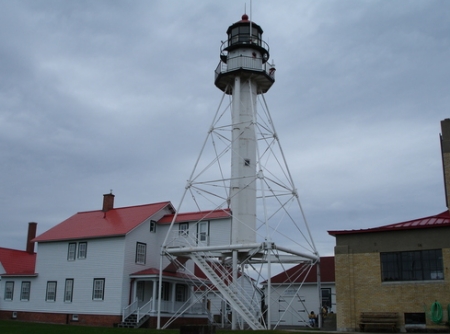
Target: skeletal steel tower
268,231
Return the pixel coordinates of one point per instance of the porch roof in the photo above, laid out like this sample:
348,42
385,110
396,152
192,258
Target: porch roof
196,216
154,273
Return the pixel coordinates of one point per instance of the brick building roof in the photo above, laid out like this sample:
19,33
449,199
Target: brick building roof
439,220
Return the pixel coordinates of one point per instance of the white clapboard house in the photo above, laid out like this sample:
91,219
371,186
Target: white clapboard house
101,267
295,293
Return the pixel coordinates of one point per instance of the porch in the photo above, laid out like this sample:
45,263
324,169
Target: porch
177,297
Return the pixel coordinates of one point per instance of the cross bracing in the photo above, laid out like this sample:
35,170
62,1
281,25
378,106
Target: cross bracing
282,234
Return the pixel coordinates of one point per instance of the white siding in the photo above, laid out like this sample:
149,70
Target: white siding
220,232
153,241
104,260
292,309
110,258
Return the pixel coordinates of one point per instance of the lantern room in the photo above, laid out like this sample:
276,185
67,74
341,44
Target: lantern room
244,54
245,33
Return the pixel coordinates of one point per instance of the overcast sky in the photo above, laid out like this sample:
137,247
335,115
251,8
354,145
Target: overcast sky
101,95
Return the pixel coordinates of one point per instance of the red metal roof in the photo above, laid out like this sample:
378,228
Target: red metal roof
297,274
155,272
17,262
196,216
95,224
439,220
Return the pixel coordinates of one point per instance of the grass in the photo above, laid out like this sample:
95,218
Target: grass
17,327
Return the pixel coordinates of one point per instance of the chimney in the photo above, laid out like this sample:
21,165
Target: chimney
31,235
108,202
445,151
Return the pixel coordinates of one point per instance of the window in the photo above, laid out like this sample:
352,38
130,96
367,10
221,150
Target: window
184,229
141,250
68,290
326,298
415,319
180,293
82,250
9,290
25,291
165,291
50,295
98,292
71,251
412,265
203,232
152,226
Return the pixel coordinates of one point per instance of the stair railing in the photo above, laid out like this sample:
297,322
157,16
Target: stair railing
130,309
144,310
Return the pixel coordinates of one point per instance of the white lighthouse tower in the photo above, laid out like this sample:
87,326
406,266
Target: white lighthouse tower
247,74
267,231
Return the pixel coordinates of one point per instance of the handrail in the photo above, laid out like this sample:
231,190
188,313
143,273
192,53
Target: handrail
144,310
130,309
239,41
245,62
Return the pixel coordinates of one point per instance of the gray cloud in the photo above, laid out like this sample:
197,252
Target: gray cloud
119,95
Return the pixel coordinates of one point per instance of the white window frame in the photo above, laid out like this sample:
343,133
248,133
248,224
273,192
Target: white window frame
98,289
68,290
71,251
50,294
141,253
82,250
183,229
152,226
9,290
181,292
165,291
203,232
25,290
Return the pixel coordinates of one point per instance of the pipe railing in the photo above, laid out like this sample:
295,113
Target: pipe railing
247,63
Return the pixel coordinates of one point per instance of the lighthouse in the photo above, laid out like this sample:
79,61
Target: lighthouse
244,216
244,72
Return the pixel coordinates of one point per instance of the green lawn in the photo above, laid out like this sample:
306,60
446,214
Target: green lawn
17,327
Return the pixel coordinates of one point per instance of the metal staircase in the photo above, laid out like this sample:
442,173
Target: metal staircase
230,292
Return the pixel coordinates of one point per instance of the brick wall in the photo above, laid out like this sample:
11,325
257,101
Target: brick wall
93,320
359,288
59,318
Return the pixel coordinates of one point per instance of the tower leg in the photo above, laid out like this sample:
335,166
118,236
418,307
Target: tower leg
234,314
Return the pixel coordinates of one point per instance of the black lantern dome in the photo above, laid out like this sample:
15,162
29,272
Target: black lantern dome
245,33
